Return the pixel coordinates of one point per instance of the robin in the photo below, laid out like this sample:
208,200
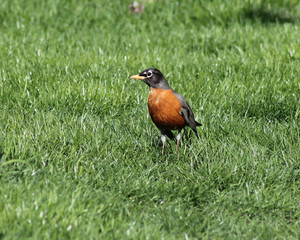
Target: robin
168,109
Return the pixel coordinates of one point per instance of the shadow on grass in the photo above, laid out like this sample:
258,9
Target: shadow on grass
279,111
265,15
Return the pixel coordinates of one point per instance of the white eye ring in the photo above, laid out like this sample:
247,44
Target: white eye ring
149,74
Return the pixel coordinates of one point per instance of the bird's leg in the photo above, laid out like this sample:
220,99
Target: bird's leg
178,138
163,139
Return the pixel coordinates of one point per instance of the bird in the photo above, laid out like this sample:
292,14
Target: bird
168,109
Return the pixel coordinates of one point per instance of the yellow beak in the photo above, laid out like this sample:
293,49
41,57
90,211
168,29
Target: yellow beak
137,77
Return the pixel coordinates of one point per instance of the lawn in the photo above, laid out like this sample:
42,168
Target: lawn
79,155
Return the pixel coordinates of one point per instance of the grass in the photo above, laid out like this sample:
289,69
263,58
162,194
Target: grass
79,155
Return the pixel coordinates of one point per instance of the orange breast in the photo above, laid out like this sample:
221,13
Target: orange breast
164,109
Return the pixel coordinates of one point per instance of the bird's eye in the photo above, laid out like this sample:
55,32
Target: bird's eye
149,74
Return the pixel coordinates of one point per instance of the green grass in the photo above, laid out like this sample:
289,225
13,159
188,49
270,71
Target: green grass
79,155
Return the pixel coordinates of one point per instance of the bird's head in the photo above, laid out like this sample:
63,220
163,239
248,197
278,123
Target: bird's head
153,78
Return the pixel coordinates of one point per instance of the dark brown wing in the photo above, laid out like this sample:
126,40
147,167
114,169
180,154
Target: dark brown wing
187,113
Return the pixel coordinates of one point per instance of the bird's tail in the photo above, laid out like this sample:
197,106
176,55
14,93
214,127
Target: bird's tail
198,124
